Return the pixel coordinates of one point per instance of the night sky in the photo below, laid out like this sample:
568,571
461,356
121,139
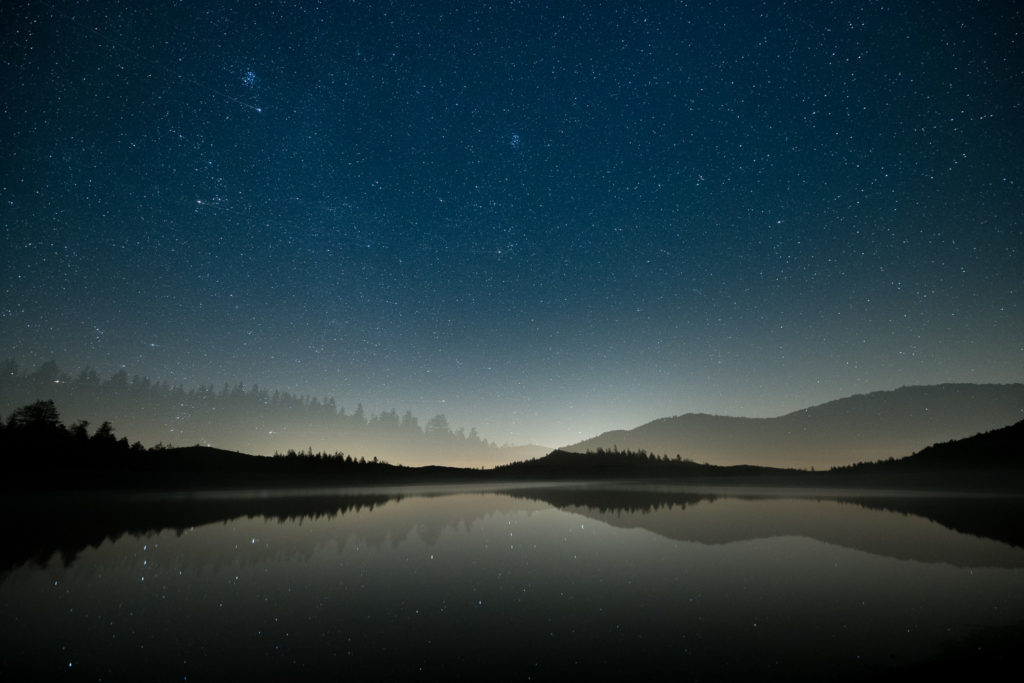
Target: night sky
543,220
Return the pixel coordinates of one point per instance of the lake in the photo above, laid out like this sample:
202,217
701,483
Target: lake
525,583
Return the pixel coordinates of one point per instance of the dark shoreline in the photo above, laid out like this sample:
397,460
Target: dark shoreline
69,481
40,454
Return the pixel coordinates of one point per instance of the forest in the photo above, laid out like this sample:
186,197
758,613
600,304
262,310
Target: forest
251,419
41,452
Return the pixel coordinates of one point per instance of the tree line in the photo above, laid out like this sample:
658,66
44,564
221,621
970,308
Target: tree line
250,418
40,451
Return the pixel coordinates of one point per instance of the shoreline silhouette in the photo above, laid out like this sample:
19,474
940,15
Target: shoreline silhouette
41,454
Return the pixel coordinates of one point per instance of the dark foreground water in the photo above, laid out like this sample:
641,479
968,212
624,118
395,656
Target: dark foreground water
521,584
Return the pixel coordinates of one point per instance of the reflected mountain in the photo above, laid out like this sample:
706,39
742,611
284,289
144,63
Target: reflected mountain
925,529
995,517
988,527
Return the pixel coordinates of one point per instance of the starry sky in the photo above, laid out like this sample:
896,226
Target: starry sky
542,219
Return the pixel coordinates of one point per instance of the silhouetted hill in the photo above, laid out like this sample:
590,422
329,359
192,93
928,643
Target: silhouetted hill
999,450
636,465
203,457
991,461
865,427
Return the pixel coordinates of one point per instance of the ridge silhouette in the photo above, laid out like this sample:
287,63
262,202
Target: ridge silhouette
41,453
863,427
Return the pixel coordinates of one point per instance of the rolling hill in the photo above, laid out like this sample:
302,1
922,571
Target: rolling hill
864,427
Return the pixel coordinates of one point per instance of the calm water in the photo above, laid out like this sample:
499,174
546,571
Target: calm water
521,584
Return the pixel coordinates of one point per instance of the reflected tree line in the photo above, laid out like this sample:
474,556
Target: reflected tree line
619,500
249,419
37,528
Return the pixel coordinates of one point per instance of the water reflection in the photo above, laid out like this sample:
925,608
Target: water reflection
535,582
864,522
36,528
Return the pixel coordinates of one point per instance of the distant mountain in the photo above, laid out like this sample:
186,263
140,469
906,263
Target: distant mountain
864,427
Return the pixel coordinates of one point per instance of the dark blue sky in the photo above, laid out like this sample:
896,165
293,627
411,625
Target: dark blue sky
543,220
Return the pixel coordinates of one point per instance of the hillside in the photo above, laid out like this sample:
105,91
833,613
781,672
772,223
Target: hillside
999,450
864,427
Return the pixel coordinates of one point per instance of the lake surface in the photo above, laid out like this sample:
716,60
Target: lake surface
527,583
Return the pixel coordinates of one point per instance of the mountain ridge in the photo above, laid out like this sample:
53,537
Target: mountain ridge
861,427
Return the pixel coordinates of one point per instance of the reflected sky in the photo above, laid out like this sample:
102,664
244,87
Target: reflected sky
468,583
